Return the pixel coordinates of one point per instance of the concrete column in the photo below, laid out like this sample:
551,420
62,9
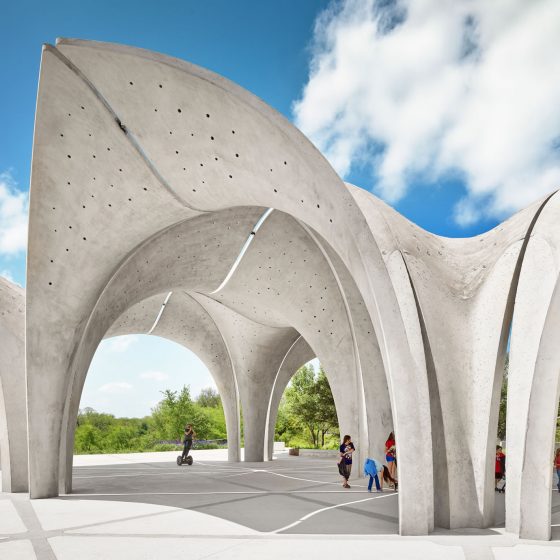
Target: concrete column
533,384
13,421
256,352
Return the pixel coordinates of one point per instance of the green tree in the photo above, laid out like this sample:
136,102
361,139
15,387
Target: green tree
174,411
309,404
209,398
503,403
88,439
326,409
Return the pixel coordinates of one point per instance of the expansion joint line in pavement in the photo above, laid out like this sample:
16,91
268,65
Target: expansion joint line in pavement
35,533
318,511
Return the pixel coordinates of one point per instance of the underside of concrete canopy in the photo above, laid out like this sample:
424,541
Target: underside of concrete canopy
167,200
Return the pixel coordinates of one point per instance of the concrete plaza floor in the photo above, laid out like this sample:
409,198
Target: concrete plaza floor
143,506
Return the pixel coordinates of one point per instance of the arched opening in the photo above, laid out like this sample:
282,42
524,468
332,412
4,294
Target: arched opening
500,448
255,337
307,417
307,422
140,392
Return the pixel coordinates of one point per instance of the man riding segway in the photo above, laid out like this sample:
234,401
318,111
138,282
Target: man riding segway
185,458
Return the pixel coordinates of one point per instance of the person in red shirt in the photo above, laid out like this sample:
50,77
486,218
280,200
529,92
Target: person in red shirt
557,466
500,469
391,455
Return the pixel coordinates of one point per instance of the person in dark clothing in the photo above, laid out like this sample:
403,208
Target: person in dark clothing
187,441
346,449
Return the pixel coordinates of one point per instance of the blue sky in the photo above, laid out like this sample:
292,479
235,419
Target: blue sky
406,99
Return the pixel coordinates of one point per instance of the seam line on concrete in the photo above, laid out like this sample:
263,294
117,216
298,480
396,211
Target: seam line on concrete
316,512
35,534
160,313
243,250
128,134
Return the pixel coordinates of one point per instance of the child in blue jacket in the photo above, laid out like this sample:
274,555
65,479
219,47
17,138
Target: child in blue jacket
372,469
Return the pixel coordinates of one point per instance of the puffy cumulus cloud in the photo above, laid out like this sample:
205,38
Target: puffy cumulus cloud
14,207
425,90
154,375
121,343
115,387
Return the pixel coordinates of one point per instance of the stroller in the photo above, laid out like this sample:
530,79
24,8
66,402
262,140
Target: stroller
501,485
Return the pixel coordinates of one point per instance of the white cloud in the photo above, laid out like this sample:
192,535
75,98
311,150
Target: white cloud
426,89
121,343
115,387
155,375
14,208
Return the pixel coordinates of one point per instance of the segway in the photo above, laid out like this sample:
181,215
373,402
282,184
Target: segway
188,461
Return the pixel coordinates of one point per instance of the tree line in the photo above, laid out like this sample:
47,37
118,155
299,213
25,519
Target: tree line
306,418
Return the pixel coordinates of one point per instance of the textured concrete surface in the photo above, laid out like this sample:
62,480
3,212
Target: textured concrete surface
151,176
293,505
190,162
13,414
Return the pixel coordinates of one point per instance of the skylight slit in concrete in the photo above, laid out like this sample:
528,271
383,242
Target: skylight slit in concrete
160,313
244,249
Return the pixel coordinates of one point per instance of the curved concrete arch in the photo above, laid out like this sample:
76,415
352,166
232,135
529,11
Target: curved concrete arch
297,355
534,379
273,157
447,289
178,250
13,419
157,142
256,351
287,277
186,323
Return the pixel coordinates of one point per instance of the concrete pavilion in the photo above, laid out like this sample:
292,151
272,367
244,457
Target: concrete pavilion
167,200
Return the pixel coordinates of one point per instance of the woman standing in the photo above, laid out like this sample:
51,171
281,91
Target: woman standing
557,466
346,450
391,455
